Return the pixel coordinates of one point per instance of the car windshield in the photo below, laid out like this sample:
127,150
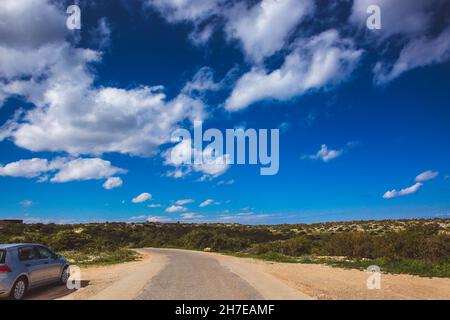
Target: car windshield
2,256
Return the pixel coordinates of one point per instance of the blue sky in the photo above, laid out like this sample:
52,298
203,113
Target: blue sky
86,115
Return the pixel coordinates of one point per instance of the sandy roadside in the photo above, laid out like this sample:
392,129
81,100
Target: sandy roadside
325,282
120,281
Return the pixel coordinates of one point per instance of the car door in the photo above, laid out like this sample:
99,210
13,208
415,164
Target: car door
35,269
52,265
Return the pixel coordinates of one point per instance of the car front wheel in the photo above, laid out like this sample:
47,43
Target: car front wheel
19,289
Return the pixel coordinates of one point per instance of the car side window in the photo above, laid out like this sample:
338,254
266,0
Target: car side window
27,253
44,253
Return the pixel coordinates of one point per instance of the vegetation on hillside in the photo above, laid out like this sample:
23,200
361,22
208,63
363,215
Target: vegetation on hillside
402,246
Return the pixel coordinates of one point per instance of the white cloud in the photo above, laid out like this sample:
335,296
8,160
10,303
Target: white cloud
101,36
179,154
226,182
142,197
197,12
427,175
25,168
71,114
182,202
419,52
181,157
152,218
141,217
403,192
26,203
201,82
264,28
315,63
158,219
325,154
416,26
175,208
112,182
206,203
154,205
66,169
261,28
422,177
246,217
86,169
396,17
185,10
191,215
133,121
26,49
15,63
212,166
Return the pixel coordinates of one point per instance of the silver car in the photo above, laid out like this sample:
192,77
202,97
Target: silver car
26,266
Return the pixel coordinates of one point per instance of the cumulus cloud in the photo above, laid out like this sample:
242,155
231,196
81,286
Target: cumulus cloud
112,182
417,30
206,203
415,17
158,219
154,205
71,114
86,169
263,29
427,175
185,10
151,218
416,27
30,168
419,52
181,157
142,197
65,169
326,154
403,192
191,216
24,48
182,202
175,208
422,177
315,63
80,120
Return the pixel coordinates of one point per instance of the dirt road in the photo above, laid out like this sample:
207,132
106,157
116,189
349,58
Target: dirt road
201,276
182,274
189,275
